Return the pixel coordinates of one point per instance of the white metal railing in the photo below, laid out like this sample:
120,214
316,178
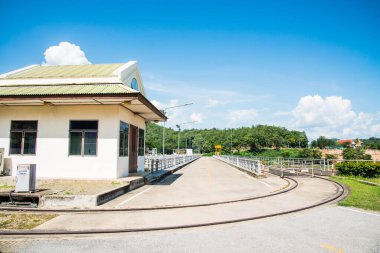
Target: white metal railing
294,165
246,163
160,162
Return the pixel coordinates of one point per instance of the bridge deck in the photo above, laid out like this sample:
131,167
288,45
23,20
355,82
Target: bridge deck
227,183
203,181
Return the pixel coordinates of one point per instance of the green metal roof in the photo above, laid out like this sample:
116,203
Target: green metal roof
90,70
68,89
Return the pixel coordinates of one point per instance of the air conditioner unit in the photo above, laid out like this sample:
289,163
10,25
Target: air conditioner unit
26,178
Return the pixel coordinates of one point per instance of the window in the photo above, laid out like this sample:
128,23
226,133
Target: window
141,142
134,84
123,144
83,137
23,137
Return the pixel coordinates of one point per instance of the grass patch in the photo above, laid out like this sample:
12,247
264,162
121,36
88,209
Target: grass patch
362,195
368,179
6,187
23,220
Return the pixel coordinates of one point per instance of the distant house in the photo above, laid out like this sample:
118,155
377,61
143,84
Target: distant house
84,121
359,144
351,143
342,142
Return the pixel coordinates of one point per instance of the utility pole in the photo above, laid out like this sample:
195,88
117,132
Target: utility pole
231,143
163,129
179,131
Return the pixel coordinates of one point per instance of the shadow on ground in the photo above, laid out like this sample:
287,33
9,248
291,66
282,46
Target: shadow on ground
169,180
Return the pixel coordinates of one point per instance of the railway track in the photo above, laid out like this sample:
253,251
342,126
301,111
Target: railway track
293,185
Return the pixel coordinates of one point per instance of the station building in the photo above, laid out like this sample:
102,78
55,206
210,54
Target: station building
83,121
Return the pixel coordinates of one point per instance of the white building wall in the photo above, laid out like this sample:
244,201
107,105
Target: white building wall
123,162
52,157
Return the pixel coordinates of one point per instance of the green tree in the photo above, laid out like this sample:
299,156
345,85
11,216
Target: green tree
244,139
323,142
372,143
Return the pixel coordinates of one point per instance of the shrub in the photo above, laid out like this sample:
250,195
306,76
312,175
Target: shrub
363,169
285,154
331,157
355,154
310,153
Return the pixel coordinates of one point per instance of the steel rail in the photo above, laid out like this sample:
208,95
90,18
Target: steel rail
147,229
294,186
126,230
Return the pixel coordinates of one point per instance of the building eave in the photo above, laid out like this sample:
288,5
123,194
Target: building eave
134,102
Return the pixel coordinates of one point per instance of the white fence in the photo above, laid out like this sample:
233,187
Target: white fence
246,163
155,163
292,165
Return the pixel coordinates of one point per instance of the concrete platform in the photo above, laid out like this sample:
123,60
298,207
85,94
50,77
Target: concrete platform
55,193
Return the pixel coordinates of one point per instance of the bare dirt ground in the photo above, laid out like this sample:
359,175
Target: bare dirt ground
80,187
374,153
68,187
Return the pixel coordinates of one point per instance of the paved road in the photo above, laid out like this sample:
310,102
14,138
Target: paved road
203,181
310,191
324,229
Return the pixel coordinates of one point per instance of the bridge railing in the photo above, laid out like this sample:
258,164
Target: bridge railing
296,165
252,165
160,162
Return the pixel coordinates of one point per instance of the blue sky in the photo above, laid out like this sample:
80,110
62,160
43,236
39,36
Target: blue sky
312,66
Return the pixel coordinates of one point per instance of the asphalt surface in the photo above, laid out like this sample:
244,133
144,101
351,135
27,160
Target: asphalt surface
322,229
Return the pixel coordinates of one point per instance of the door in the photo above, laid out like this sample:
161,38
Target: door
133,142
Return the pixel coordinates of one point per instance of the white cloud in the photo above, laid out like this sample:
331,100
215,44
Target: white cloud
212,102
361,124
315,111
178,115
375,130
199,93
282,113
156,104
161,106
242,117
333,117
156,86
65,53
198,117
